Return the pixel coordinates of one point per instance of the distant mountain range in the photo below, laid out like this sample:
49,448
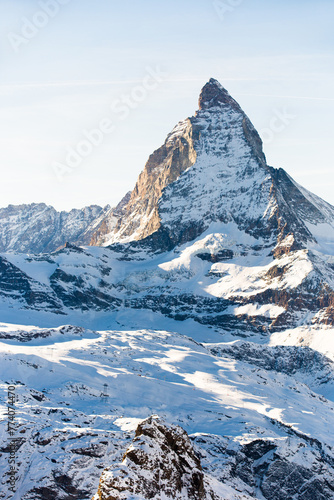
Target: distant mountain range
38,228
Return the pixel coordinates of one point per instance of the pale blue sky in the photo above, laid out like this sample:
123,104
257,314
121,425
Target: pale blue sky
274,57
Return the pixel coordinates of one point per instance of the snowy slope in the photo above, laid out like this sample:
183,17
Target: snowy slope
226,279
239,415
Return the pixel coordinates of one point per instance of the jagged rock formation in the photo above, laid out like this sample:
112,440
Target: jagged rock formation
160,463
40,228
212,169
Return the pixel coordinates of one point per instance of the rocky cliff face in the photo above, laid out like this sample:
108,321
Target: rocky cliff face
140,217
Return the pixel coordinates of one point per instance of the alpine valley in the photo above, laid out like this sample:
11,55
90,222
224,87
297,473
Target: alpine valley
179,345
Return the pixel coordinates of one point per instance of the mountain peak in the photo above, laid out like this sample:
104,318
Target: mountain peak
213,94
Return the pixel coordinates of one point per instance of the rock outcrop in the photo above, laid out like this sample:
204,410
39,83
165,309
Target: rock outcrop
160,463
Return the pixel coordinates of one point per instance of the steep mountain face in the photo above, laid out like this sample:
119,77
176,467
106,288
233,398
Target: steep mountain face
211,168
38,228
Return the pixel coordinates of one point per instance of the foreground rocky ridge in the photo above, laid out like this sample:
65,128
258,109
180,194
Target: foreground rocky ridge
160,462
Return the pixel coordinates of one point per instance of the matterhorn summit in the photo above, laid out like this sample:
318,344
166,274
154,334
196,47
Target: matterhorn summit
212,169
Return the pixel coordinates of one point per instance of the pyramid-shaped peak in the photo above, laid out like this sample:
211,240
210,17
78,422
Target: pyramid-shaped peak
213,94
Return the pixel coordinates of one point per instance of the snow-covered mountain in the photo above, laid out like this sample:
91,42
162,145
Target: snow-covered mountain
38,228
203,302
212,169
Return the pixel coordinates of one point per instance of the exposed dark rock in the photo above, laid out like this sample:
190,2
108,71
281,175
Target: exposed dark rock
281,359
40,333
225,254
263,469
160,461
15,284
62,488
75,293
95,450
257,449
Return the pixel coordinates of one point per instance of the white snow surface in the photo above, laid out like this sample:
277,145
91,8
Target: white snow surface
62,396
